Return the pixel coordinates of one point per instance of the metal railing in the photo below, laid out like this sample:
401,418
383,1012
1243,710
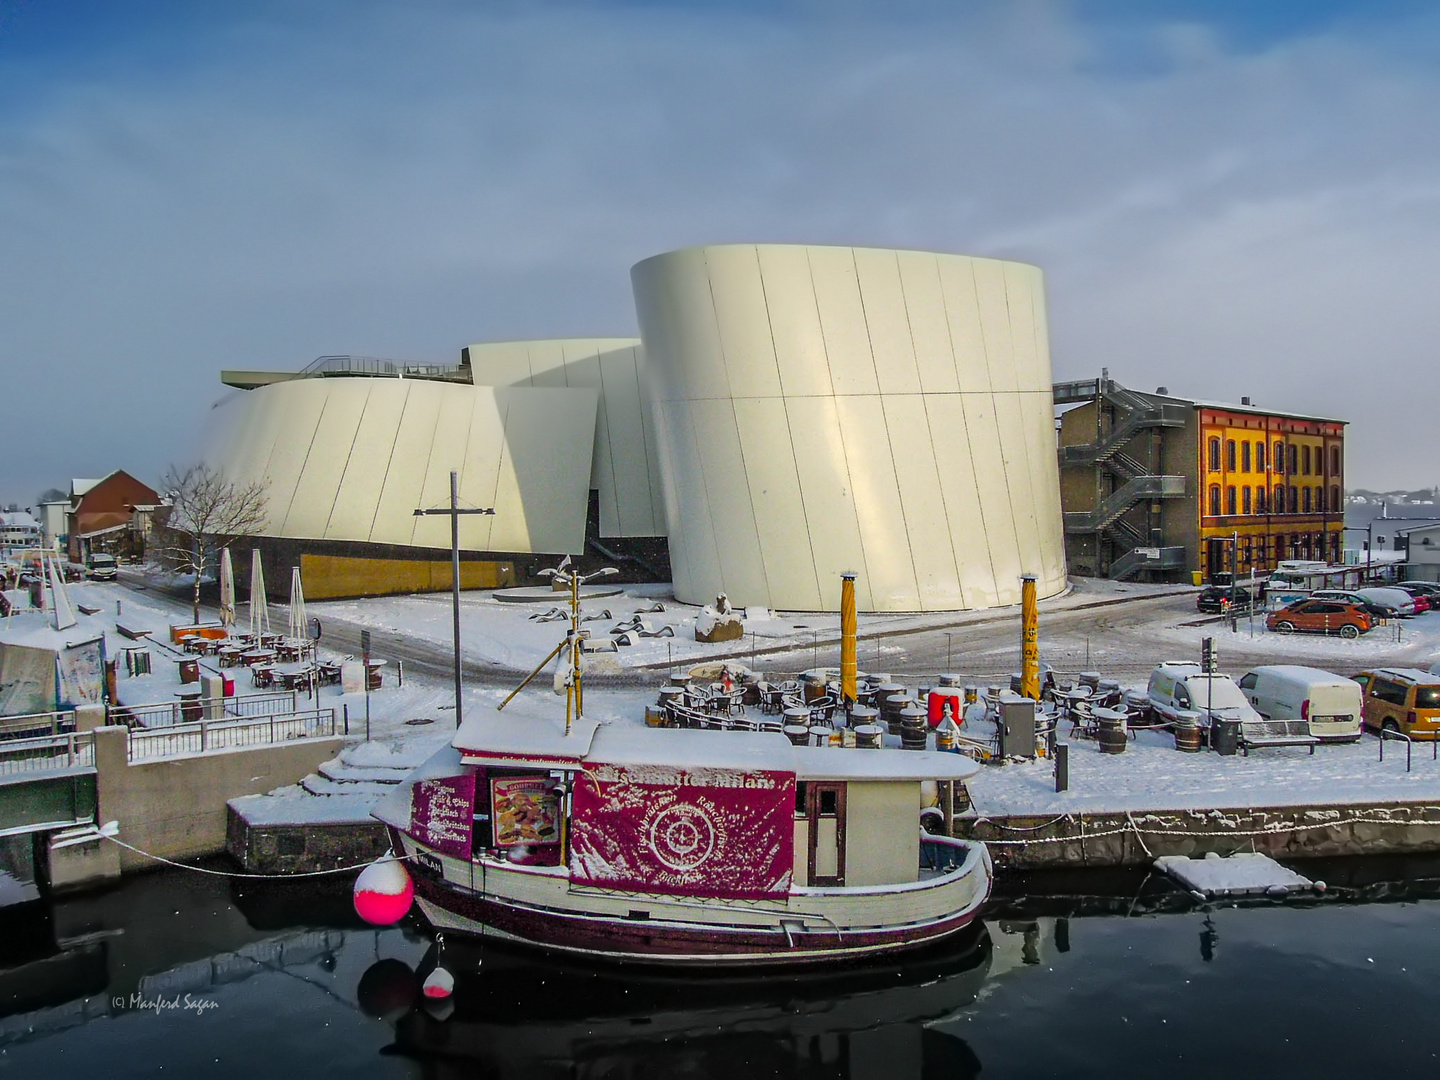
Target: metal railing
1387,733
170,713
34,725
47,753
198,737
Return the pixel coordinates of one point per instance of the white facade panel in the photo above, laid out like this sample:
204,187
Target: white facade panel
625,467
351,459
903,436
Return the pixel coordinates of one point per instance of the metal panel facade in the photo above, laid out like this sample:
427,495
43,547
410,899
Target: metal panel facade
822,409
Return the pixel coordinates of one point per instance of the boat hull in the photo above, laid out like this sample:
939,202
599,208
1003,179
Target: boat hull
810,926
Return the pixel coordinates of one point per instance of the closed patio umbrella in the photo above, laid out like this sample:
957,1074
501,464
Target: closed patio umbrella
298,627
259,607
227,589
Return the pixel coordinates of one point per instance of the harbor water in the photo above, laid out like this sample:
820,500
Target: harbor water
1119,975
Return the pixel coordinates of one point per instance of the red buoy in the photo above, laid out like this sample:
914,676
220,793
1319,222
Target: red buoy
383,892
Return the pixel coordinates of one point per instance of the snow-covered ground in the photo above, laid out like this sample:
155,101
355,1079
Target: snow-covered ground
1152,775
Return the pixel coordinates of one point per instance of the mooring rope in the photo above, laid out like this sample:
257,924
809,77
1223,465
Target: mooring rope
260,877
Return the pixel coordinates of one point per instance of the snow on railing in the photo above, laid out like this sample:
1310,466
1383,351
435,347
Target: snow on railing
47,753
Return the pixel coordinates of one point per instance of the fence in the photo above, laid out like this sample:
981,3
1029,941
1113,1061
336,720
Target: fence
35,725
47,753
171,713
200,736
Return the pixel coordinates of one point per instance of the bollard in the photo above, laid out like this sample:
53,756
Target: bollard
1062,766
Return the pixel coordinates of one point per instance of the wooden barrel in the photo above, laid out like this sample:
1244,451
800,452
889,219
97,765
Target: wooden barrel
672,695
913,727
1111,733
867,736
654,716
893,703
1187,732
860,715
799,734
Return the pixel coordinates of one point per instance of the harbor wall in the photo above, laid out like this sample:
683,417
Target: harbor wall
175,807
1136,838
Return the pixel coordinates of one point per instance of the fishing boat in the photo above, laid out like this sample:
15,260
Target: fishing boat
671,846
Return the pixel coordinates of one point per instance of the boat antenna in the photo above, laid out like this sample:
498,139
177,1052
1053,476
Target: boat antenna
574,691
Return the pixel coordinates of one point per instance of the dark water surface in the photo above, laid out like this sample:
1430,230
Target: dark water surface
1113,976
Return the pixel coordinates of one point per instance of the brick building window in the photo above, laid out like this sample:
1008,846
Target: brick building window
1294,498
1245,497
1279,462
1305,460
1307,500
1214,455
1335,504
1294,459
1230,455
1259,457
1260,500
1245,457
1214,500
1230,498
1279,505
1335,461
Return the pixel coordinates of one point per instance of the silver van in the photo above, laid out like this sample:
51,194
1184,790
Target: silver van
1332,704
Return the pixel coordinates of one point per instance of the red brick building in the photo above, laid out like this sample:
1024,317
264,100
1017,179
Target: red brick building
111,515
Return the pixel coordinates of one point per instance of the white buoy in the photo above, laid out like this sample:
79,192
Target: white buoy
439,984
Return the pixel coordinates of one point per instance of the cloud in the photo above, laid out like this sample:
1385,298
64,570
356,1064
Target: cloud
1222,216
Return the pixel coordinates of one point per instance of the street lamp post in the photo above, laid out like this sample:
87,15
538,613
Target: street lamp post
454,511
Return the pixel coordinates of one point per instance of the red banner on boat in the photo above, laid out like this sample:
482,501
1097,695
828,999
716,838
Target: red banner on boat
442,814
699,832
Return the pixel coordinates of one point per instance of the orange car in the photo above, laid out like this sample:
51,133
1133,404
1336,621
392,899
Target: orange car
1321,617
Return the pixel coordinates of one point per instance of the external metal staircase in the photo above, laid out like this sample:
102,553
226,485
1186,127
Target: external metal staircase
1133,414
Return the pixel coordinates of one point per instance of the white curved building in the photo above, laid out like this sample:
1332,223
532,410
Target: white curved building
348,451
823,409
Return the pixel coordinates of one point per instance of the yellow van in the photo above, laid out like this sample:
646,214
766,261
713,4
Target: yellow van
1406,700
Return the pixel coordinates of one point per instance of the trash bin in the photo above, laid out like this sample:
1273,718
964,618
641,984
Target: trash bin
1225,736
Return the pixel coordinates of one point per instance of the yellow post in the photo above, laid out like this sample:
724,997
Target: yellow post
849,628
1029,640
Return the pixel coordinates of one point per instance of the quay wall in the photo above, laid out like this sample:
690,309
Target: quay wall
1137,837
176,807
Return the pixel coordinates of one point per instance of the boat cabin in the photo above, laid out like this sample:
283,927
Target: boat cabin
679,812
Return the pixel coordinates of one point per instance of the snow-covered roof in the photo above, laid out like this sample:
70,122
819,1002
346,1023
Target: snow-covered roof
81,487
495,738
502,739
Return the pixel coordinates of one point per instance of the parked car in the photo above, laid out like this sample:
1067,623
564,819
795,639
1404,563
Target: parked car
1406,700
1350,596
1320,617
1180,686
1332,704
1213,599
1423,597
1399,599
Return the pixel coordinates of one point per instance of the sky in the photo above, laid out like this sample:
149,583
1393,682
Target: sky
1227,199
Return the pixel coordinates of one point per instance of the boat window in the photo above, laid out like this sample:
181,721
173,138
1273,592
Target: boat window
800,797
829,801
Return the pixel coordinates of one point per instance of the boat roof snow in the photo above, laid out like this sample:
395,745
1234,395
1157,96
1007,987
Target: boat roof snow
531,741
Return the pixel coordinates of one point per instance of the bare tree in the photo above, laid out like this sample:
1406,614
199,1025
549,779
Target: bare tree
207,512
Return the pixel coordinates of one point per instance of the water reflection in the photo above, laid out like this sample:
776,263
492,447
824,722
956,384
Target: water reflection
518,1015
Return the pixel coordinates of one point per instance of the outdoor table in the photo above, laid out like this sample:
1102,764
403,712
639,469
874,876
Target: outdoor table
329,674
269,641
294,676
194,644
257,656
229,655
262,675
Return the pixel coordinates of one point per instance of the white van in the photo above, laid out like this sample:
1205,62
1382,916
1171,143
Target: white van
1180,686
1333,705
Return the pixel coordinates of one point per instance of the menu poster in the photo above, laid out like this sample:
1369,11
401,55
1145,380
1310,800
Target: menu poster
525,810
442,814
